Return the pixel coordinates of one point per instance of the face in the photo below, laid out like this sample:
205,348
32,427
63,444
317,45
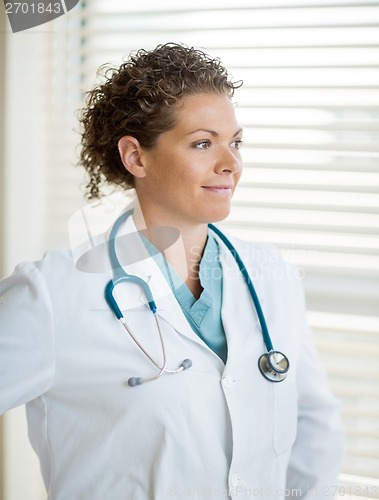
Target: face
192,171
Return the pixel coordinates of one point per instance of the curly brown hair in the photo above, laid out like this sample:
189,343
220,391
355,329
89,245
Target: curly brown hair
139,99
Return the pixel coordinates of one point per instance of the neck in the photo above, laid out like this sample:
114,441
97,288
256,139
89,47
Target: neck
185,253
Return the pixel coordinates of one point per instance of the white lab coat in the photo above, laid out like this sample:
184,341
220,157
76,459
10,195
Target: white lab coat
212,431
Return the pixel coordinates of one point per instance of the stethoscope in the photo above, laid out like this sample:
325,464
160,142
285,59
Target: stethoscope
273,365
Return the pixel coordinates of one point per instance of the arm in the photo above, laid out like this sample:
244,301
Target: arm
26,337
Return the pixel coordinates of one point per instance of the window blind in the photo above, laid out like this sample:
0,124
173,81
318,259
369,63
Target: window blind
310,110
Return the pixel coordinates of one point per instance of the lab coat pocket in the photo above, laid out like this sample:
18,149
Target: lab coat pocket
285,416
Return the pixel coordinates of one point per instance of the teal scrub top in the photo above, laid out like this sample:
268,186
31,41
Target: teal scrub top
203,314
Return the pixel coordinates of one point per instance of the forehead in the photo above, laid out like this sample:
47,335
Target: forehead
205,111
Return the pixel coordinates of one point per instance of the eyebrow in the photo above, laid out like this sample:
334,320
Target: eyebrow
213,133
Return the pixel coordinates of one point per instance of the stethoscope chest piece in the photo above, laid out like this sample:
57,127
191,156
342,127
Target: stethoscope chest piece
274,366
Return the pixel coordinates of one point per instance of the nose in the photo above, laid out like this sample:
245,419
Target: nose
229,161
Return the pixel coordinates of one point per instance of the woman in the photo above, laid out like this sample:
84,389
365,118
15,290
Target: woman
106,421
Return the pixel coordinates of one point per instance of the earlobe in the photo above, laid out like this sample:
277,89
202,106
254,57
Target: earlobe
130,154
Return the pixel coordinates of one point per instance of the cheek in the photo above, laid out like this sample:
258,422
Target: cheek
238,174
162,174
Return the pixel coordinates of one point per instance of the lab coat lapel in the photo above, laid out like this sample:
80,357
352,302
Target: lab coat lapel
240,320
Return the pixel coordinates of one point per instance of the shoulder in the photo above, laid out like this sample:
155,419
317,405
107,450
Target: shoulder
265,262
55,282
25,294
29,281
54,263
257,253
58,269
60,258
52,260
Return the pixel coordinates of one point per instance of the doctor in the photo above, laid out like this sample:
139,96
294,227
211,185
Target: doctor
106,417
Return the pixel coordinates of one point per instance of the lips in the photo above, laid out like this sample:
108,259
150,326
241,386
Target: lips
218,189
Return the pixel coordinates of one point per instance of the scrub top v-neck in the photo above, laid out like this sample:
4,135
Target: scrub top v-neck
203,314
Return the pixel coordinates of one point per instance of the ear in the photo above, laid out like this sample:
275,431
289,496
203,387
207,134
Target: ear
130,154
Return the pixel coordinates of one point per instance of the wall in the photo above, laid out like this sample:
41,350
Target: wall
2,99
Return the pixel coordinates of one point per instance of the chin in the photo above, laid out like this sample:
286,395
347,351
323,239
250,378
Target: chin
218,216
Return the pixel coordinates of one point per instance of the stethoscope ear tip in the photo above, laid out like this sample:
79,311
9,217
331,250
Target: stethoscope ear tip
186,363
134,381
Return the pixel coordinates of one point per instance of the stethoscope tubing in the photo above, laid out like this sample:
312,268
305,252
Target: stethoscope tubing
250,286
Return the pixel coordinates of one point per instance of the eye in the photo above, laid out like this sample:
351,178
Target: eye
202,144
237,143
